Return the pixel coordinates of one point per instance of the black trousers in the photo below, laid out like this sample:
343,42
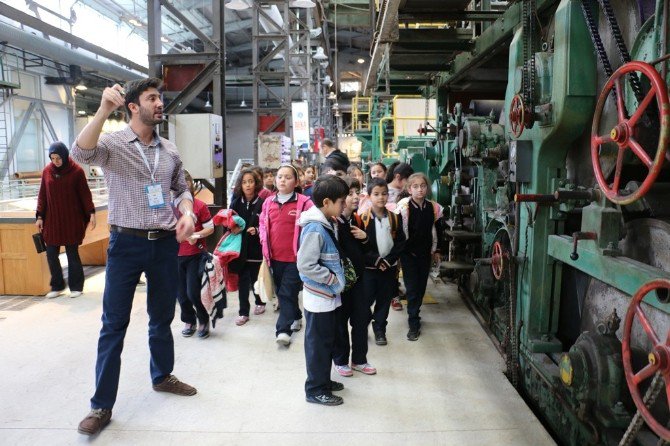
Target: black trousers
320,333
415,271
355,310
379,289
288,284
189,291
75,272
248,277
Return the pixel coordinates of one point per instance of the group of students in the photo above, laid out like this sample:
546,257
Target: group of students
339,241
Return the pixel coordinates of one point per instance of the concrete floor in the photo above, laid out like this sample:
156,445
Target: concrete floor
445,389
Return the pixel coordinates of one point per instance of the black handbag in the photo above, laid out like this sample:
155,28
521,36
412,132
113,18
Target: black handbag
38,240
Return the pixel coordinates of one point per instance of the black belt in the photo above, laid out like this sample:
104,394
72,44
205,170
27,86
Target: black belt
149,234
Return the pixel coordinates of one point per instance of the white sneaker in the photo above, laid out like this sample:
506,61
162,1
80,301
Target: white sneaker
74,294
52,294
296,325
283,339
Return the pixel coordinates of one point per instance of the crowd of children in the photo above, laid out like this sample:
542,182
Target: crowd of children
341,242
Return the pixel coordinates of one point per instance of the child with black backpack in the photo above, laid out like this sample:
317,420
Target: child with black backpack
419,217
355,308
386,241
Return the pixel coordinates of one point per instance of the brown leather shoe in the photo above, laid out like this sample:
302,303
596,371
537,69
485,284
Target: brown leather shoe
95,421
172,385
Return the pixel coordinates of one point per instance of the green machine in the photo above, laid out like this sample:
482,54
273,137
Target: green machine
551,253
558,210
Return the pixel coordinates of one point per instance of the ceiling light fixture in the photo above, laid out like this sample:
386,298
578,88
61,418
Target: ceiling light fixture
332,96
243,104
324,64
314,33
360,60
326,80
302,4
135,22
81,112
237,5
165,39
208,104
320,55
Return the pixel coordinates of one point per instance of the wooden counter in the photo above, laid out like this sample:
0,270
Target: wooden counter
22,270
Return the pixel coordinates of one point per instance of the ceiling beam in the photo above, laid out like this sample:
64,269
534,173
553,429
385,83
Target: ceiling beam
43,27
409,16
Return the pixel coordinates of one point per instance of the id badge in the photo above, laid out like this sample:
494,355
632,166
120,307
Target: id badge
155,195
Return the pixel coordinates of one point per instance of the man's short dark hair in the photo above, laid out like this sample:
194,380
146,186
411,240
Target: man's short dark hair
327,142
352,182
376,182
134,90
328,186
333,164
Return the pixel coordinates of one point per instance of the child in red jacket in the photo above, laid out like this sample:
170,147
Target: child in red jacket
279,238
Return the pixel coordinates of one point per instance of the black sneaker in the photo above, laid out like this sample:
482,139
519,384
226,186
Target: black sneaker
325,399
335,386
413,334
188,331
380,338
204,333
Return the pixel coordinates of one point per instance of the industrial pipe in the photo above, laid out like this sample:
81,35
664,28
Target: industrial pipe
534,198
59,53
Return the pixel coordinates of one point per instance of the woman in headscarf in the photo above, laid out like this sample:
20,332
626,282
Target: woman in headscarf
64,208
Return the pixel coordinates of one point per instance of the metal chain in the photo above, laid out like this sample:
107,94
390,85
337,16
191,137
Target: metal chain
525,33
512,359
595,38
635,84
532,10
648,400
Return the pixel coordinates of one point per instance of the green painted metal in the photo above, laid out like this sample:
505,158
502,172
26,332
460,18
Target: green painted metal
572,97
623,273
489,41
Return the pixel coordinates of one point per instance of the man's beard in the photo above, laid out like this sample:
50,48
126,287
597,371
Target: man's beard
147,117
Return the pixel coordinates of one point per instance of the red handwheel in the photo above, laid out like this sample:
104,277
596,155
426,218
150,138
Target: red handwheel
624,132
658,357
517,116
497,262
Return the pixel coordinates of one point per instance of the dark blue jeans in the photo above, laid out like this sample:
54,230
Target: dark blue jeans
248,276
287,283
189,291
415,271
127,257
379,287
75,272
355,310
320,332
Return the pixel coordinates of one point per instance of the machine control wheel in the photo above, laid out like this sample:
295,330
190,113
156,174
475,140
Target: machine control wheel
498,260
624,132
658,357
517,116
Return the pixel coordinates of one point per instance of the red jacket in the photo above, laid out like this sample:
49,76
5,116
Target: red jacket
65,204
289,241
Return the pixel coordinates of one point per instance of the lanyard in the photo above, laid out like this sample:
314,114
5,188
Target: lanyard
146,161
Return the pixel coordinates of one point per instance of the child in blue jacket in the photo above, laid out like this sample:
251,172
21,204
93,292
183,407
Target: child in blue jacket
320,268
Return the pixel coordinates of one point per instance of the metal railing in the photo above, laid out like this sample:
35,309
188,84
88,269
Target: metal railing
15,193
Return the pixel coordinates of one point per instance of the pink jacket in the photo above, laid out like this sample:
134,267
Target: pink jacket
304,203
